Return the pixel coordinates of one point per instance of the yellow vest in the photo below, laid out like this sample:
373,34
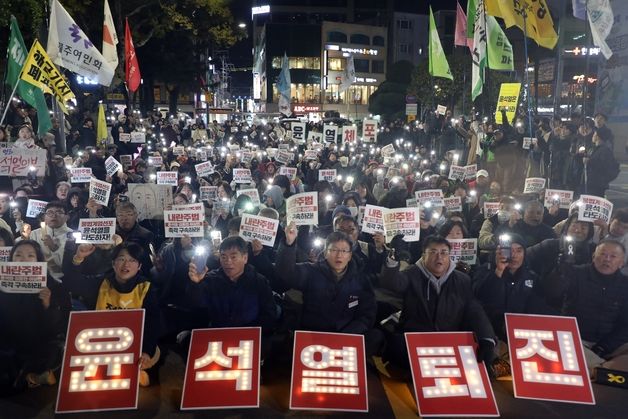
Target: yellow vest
110,299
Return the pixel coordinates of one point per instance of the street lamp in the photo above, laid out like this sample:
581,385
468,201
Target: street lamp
241,25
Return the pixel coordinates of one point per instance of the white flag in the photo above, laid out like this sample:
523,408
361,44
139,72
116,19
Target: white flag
69,47
109,39
478,54
601,19
348,76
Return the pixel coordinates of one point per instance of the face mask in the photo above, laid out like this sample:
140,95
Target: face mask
503,216
353,211
312,166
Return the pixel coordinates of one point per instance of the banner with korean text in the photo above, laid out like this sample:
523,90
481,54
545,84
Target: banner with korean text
96,230
260,228
302,209
448,381
23,277
405,221
547,359
222,369
16,162
328,372
101,361
184,222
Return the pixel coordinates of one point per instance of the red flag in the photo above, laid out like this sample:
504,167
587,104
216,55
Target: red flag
460,39
133,76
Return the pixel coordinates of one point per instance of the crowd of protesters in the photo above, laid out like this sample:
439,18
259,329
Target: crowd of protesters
349,281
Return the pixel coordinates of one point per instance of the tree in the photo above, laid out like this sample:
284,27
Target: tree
432,91
389,98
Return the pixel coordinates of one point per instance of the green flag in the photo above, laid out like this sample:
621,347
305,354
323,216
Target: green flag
16,55
499,48
478,54
471,9
438,65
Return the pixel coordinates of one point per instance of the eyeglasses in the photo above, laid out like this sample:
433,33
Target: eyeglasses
339,251
122,261
434,252
52,213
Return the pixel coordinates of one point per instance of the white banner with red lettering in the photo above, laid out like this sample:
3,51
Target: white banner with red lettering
242,176
80,174
99,191
327,174
101,361
405,221
373,219
96,230
260,228
302,209
595,208
23,277
448,381
328,372
168,178
223,369
186,222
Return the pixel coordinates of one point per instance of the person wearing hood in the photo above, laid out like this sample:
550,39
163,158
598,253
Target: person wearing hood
502,222
508,285
436,298
337,297
273,198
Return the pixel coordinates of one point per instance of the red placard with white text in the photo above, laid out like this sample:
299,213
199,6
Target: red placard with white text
328,372
547,359
101,361
213,377
448,381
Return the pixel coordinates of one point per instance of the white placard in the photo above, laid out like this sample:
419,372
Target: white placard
97,230
369,130
260,228
204,169
310,155
242,176
330,133
463,250
80,174
168,178
284,157
349,134
23,277
328,174
434,196
35,207
470,172
388,150
271,152
290,172
99,191
564,198
411,203
298,132
178,150
406,221
527,143
150,199
179,223
138,137
314,137
5,253
534,185
453,204
490,209
594,208
441,110
125,137
457,172
208,193
251,193
373,220
302,209
112,166
155,161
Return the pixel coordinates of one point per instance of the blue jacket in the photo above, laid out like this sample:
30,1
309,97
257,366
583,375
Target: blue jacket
329,305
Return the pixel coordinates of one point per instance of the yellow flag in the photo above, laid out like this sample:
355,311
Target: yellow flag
101,133
39,71
538,21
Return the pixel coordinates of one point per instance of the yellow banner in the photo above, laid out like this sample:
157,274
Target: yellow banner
41,72
508,99
538,22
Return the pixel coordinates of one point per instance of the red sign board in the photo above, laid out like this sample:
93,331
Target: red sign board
448,381
328,372
101,361
222,369
547,359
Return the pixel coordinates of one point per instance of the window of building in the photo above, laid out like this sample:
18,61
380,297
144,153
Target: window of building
306,63
300,93
360,39
361,66
377,66
336,64
379,41
403,48
335,36
356,94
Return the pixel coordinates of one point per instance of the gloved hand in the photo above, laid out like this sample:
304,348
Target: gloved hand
486,352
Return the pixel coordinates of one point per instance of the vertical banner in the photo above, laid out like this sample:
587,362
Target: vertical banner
298,132
508,99
448,381
328,372
222,369
349,134
101,361
547,359
369,130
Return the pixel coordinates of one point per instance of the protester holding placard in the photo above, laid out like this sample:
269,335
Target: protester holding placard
31,329
122,288
353,307
436,297
52,237
504,221
273,198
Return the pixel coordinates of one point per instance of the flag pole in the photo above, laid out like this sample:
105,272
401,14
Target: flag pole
585,86
6,107
526,77
487,73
